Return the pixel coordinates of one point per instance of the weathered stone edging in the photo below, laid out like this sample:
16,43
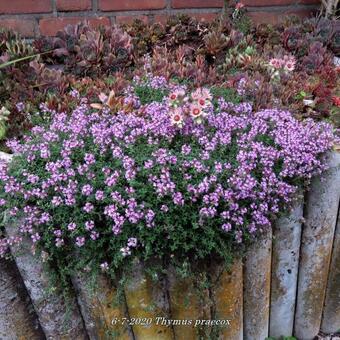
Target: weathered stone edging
17,317
256,283
285,263
316,246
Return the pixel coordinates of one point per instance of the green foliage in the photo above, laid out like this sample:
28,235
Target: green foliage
229,94
147,94
243,24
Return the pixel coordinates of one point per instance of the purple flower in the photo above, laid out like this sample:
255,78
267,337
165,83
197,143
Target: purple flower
186,149
89,225
223,170
99,195
132,242
71,226
35,237
80,241
178,198
94,235
58,232
89,158
88,207
226,226
87,190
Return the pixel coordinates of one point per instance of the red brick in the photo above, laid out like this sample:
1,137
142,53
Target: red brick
275,17
23,26
202,17
50,26
25,6
128,5
128,19
161,18
255,3
196,3
74,5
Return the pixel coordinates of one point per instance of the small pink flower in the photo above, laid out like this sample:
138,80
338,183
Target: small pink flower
56,201
274,62
289,66
201,94
57,233
239,5
177,118
132,242
99,195
289,63
176,94
195,111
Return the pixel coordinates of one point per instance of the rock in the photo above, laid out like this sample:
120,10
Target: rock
317,238
146,301
331,313
17,316
188,304
256,283
102,314
227,295
59,319
285,264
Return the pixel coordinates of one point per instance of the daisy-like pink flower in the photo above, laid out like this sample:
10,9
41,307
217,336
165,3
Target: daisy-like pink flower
176,94
177,118
204,103
197,113
201,94
289,63
276,63
289,66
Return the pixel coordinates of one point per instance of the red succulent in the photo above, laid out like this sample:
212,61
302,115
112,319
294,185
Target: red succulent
336,101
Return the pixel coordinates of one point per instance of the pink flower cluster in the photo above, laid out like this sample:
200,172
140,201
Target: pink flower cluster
196,106
286,63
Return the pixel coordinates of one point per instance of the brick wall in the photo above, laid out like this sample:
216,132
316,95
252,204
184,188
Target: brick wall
46,17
